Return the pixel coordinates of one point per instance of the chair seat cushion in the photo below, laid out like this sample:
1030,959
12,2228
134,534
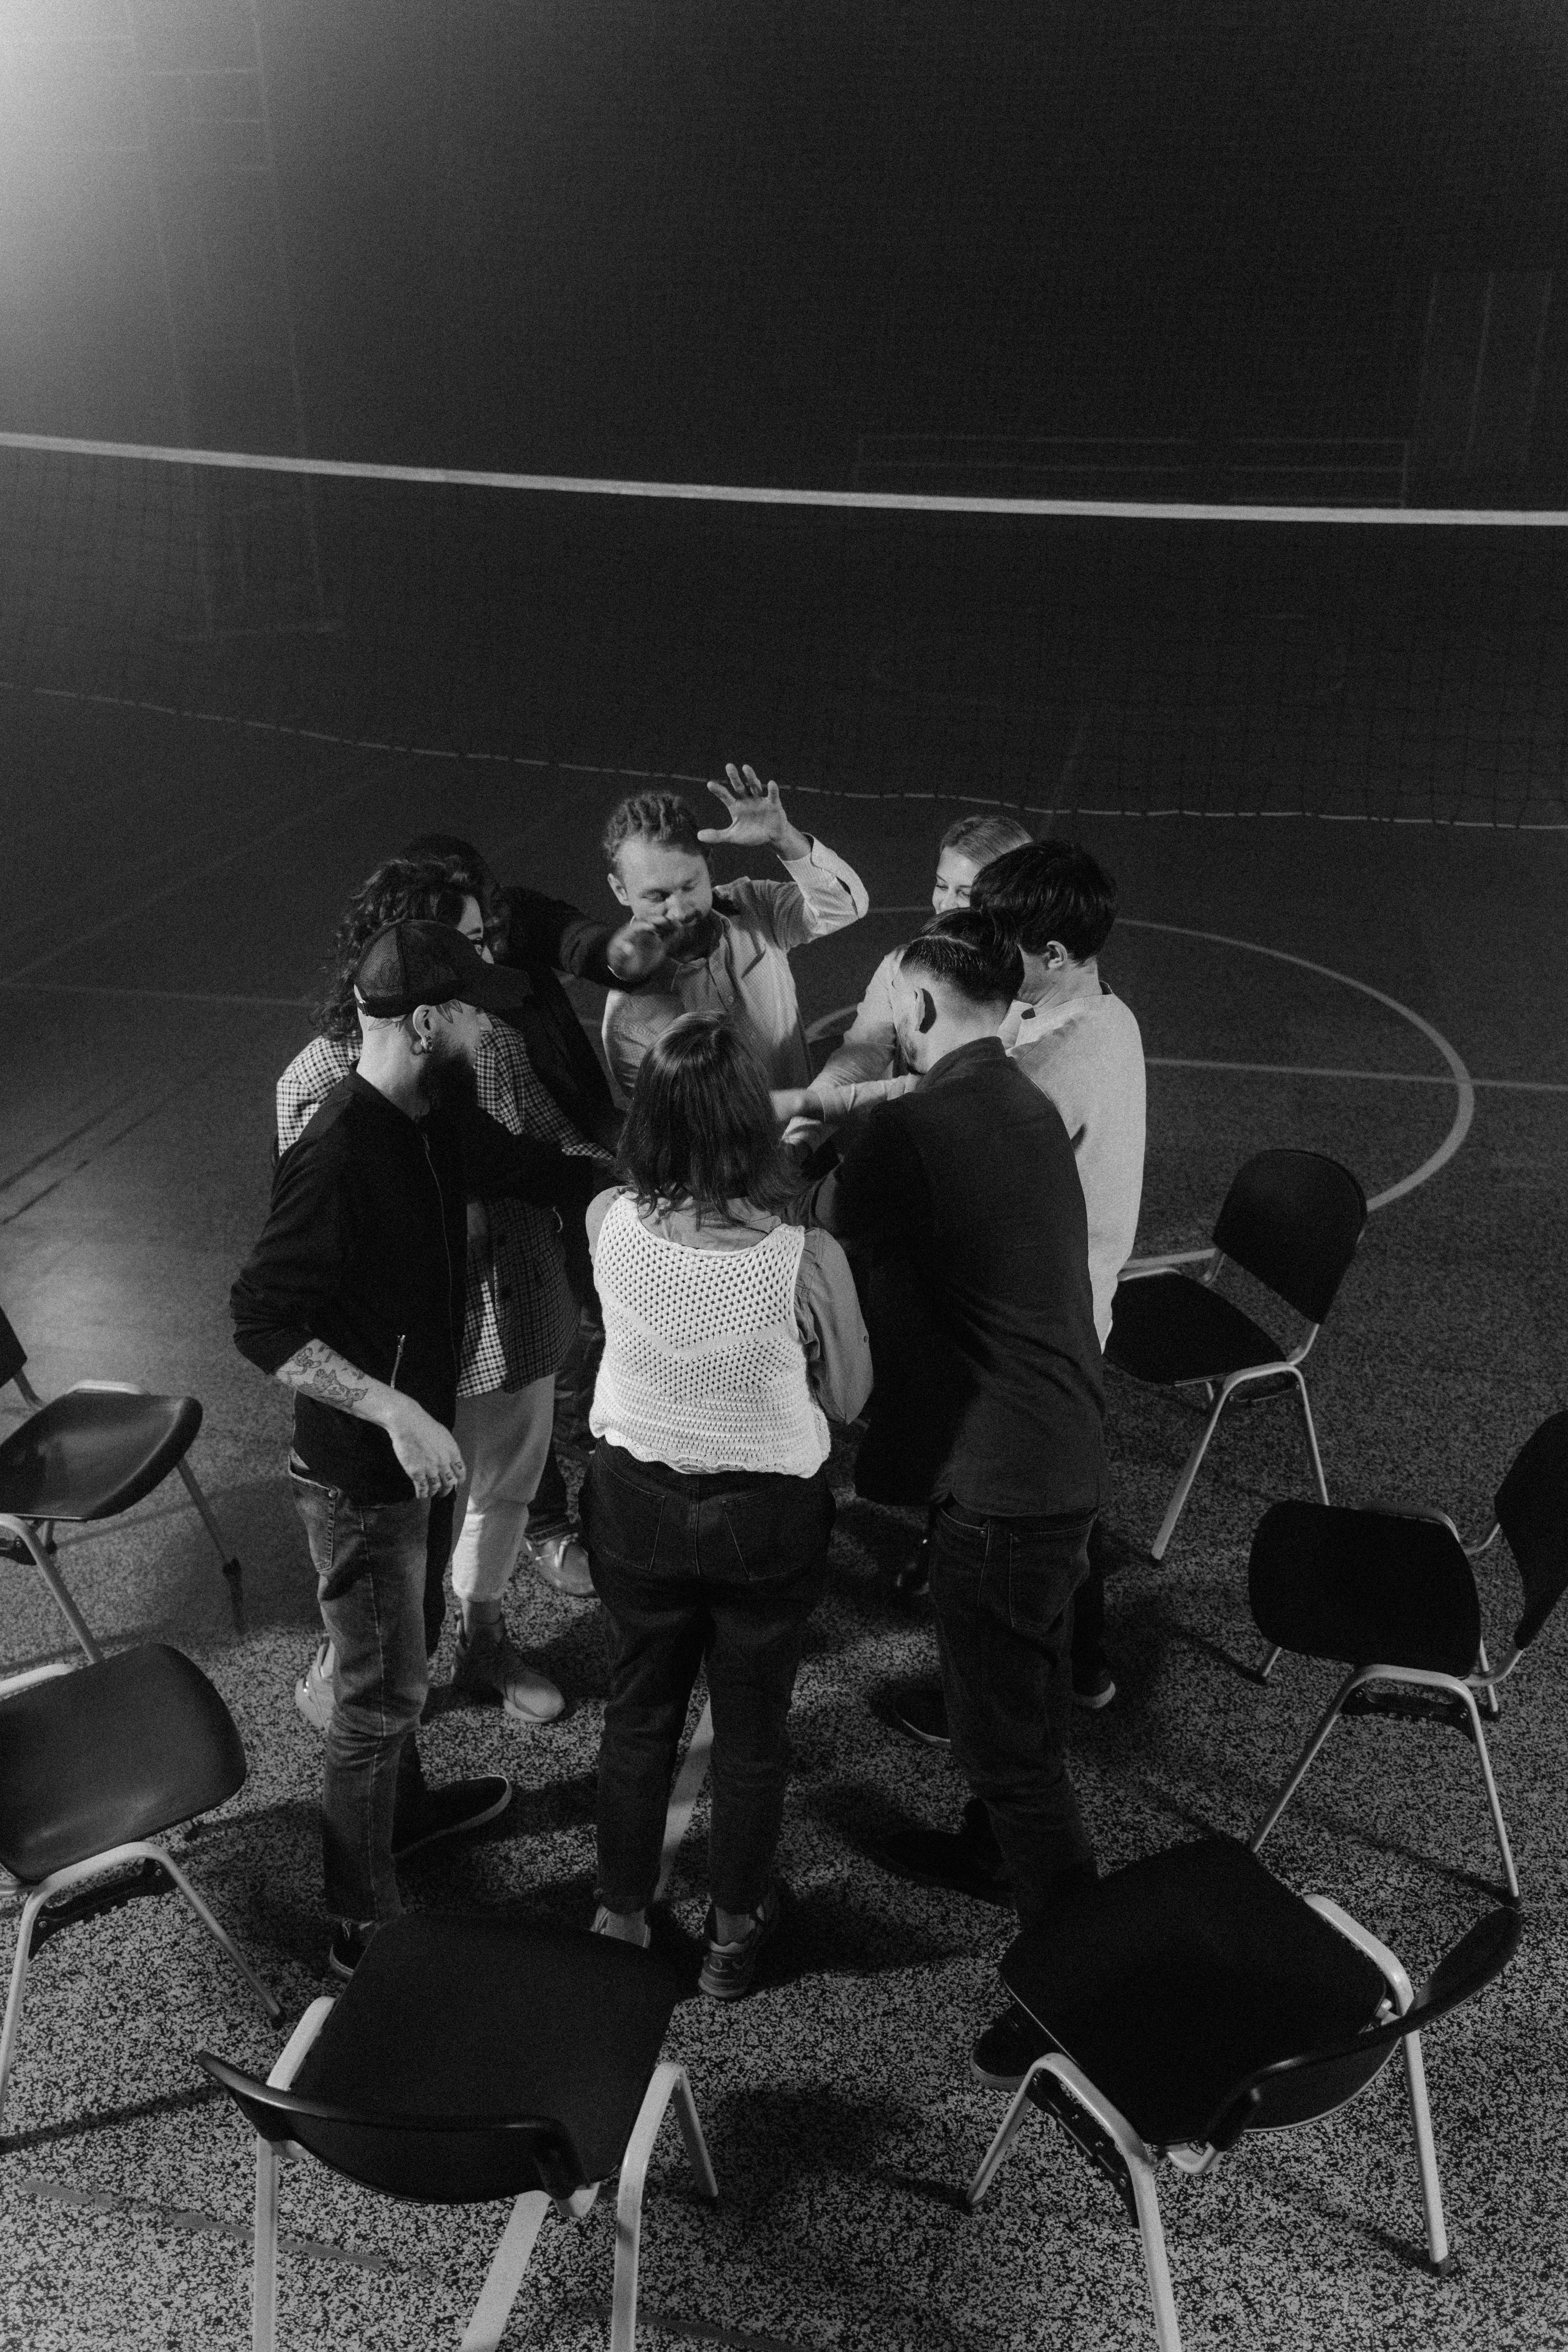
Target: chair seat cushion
92,1759
1173,1980
1167,1328
93,1452
495,2018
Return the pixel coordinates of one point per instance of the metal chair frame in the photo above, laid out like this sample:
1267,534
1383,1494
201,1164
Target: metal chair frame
1221,1392
1143,2160
1476,1693
39,1892
486,2326
36,1536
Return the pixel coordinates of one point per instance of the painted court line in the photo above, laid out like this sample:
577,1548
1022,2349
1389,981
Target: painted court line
172,2217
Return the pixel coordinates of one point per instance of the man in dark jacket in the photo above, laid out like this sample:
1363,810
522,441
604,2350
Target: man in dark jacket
962,1204
353,1298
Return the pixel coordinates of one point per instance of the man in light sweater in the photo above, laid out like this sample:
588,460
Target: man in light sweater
727,948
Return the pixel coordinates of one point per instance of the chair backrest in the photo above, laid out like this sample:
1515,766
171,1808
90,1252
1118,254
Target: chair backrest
1367,1588
1532,1512
432,2159
13,1354
1295,2090
1293,1219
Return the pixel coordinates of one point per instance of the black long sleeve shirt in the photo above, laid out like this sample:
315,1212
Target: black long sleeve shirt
546,936
365,1249
962,1201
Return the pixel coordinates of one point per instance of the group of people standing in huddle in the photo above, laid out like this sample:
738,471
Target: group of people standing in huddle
472,1250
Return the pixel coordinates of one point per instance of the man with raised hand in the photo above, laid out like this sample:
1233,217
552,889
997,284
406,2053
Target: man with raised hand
353,1298
962,1199
726,947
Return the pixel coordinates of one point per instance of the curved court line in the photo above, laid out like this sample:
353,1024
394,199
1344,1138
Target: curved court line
1464,1084
765,495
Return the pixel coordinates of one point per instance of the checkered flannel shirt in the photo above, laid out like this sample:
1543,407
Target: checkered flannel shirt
519,1313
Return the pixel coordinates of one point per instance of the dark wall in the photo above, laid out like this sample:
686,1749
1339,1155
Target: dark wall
652,236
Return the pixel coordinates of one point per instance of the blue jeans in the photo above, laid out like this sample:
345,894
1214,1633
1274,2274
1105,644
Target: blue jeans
369,1560
724,1569
1002,1591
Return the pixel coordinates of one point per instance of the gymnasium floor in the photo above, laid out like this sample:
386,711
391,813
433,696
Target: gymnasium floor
1393,995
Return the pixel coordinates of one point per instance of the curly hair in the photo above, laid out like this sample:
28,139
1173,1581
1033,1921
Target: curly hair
652,816
472,874
404,889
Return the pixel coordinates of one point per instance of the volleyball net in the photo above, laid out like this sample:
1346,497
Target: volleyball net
1065,659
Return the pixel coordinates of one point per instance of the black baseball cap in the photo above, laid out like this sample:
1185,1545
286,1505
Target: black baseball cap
412,963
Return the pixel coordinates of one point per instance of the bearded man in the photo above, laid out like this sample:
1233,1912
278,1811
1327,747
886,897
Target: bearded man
353,1297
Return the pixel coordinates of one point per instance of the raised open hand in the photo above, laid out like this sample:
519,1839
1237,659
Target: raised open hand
757,816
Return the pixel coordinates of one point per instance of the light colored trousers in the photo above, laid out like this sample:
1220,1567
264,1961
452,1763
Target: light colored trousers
504,1439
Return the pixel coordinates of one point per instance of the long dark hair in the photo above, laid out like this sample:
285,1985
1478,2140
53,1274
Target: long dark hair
404,889
701,1131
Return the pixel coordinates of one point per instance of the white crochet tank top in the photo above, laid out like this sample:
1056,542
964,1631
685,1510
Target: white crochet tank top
703,1366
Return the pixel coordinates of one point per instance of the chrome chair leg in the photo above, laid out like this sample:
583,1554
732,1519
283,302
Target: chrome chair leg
1183,1487
264,2266
1498,1825
228,1561
504,2278
1426,2155
1269,1663
56,1582
669,2082
1304,1762
1156,2268
1311,1437
212,1925
19,1967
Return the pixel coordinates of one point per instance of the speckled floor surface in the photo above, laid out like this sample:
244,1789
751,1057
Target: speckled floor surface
840,2112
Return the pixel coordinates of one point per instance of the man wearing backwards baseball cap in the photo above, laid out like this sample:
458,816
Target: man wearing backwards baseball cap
353,1298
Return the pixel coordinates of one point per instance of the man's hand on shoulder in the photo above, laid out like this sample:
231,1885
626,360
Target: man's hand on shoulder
757,818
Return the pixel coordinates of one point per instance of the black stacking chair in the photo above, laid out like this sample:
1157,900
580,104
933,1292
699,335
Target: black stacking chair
1191,1997
1394,1595
471,2060
90,1455
1293,1220
93,1766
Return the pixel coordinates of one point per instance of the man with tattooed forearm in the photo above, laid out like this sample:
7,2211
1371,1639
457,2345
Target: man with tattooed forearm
353,1298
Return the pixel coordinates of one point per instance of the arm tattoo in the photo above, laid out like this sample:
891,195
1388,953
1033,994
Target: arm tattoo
315,1367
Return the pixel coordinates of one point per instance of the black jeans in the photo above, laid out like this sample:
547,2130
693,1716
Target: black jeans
724,1569
1002,1591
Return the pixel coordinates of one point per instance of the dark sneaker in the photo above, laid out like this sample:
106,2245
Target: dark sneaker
489,1661
922,1713
1095,1694
728,1968
946,1858
1009,2046
452,1811
347,1948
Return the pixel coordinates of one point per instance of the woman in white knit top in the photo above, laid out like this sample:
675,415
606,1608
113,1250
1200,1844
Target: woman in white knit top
731,1339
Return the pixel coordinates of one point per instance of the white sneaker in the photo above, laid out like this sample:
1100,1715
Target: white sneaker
313,1691
560,1562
